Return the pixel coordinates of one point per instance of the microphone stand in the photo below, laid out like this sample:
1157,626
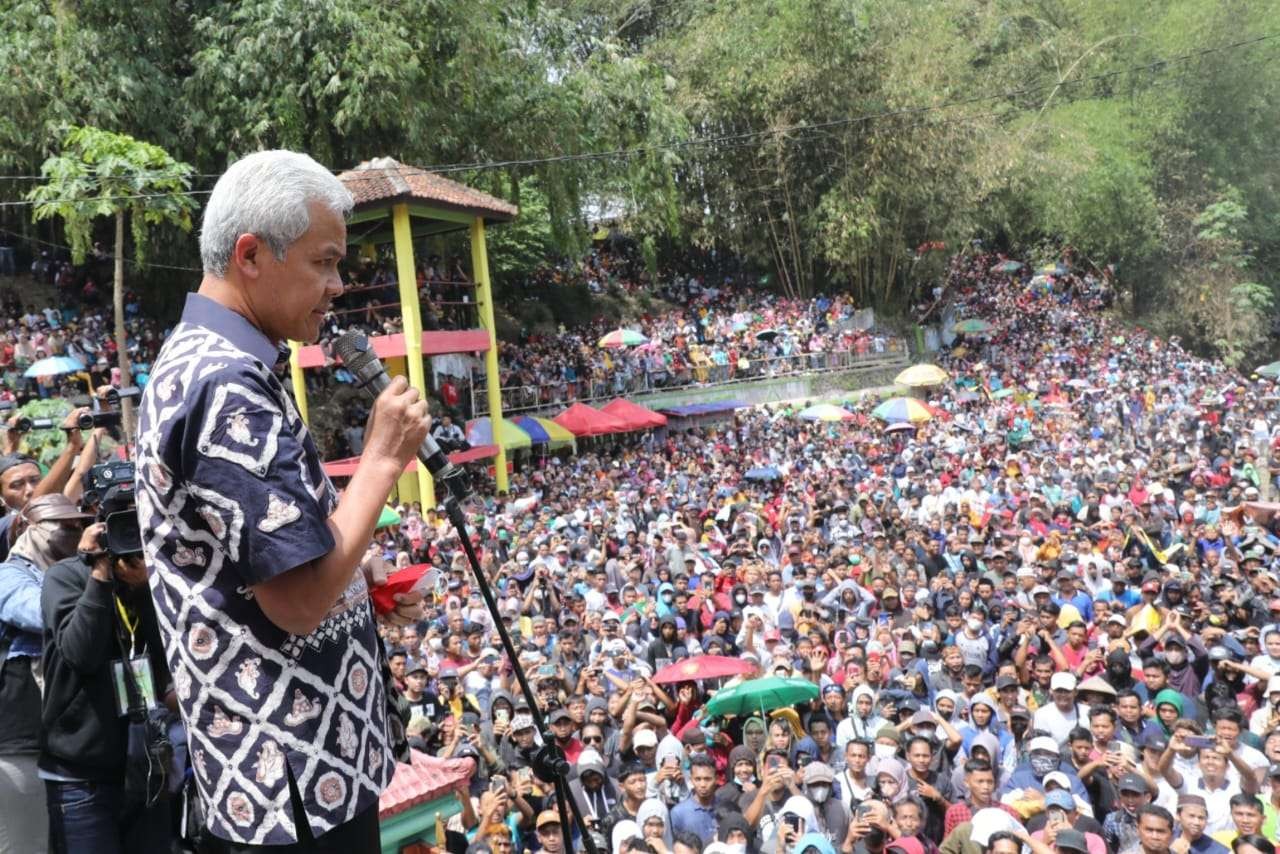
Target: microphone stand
548,761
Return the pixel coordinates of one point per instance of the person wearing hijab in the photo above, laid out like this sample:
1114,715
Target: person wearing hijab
890,777
54,530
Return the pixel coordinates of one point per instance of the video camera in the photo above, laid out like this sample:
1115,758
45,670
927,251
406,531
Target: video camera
107,414
109,490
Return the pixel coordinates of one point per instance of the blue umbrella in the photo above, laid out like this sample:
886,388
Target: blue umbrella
53,366
763,473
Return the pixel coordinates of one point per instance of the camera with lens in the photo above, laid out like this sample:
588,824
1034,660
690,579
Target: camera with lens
109,491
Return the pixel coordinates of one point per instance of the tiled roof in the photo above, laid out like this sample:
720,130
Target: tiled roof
382,180
423,779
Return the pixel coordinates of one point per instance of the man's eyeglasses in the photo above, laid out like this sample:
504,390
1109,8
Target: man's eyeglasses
593,739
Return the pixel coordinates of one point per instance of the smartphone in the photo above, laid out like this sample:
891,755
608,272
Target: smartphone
864,811
1200,742
497,784
793,821
773,762
547,670
1056,815
502,716
524,775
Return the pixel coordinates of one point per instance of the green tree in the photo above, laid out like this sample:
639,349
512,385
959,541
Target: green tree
105,174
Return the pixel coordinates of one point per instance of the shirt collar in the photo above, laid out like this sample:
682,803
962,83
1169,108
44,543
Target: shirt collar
217,318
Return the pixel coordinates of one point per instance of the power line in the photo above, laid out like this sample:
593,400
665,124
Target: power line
39,242
723,139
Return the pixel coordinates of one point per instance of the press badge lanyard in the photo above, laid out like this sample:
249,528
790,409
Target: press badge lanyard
130,626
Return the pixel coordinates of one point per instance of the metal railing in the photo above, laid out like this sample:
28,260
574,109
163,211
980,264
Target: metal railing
532,397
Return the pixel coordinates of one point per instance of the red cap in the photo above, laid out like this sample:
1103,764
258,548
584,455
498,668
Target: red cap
772,635
1151,587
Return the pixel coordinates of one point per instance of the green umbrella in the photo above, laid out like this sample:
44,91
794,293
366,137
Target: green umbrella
1001,394
761,695
387,517
973,326
1271,370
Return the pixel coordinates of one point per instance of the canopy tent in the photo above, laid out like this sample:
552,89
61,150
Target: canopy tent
634,415
582,420
544,431
347,467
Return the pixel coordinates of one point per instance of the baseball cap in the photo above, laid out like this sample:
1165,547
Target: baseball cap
1020,712
1056,778
414,665
1062,682
1151,587
1060,798
1071,840
557,715
521,722
1132,783
552,817
818,772
922,717
1006,682
645,738
1154,741
1043,743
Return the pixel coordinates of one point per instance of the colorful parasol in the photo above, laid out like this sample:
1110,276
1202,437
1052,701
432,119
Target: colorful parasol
619,338
824,412
902,409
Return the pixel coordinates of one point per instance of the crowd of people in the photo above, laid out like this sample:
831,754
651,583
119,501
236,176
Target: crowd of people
1047,620
76,322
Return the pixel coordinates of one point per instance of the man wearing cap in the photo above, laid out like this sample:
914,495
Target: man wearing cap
1120,827
1062,826
1063,714
53,530
1044,757
547,829
1193,817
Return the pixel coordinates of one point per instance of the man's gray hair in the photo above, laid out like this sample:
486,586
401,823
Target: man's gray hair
266,194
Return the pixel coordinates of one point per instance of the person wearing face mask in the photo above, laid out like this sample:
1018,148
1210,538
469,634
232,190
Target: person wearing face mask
741,777
831,818
55,530
1043,758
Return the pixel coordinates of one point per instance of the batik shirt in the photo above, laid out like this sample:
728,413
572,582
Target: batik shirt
231,494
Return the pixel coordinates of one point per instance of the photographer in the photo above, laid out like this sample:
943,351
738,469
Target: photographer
98,616
52,532
20,479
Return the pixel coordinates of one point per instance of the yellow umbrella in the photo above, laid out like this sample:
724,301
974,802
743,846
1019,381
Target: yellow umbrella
560,437
921,375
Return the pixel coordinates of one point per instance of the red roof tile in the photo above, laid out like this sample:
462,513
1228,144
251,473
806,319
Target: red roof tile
383,180
423,779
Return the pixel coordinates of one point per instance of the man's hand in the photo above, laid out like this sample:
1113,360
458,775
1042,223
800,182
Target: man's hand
397,424
12,438
408,607
70,425
89,539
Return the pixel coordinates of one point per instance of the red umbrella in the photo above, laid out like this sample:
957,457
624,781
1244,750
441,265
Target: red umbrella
703,667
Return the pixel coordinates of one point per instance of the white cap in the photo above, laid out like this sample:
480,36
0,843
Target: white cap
986,823
1063,682
644,738
1057,777
1045,743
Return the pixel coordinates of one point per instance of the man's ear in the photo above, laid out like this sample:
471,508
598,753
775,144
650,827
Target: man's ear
246,256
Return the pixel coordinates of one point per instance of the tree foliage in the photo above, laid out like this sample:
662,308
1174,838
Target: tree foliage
821,140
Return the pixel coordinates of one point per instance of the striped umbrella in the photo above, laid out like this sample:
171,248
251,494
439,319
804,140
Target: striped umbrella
619,338
824,412
480,432
902,409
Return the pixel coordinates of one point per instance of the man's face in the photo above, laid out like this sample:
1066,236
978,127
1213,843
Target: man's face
18,483
289,298
919,755
1228,731
1102,729
1043,672
1064,699
1247,819
1080,750
703,779
549,838
1154,833
1133,801
416,681
856,757
635,786
1154,679
1194,819
396,664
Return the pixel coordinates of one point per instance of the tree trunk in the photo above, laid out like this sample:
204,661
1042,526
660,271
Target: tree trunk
122,350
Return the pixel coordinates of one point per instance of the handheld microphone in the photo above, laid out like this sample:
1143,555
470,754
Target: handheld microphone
358,358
